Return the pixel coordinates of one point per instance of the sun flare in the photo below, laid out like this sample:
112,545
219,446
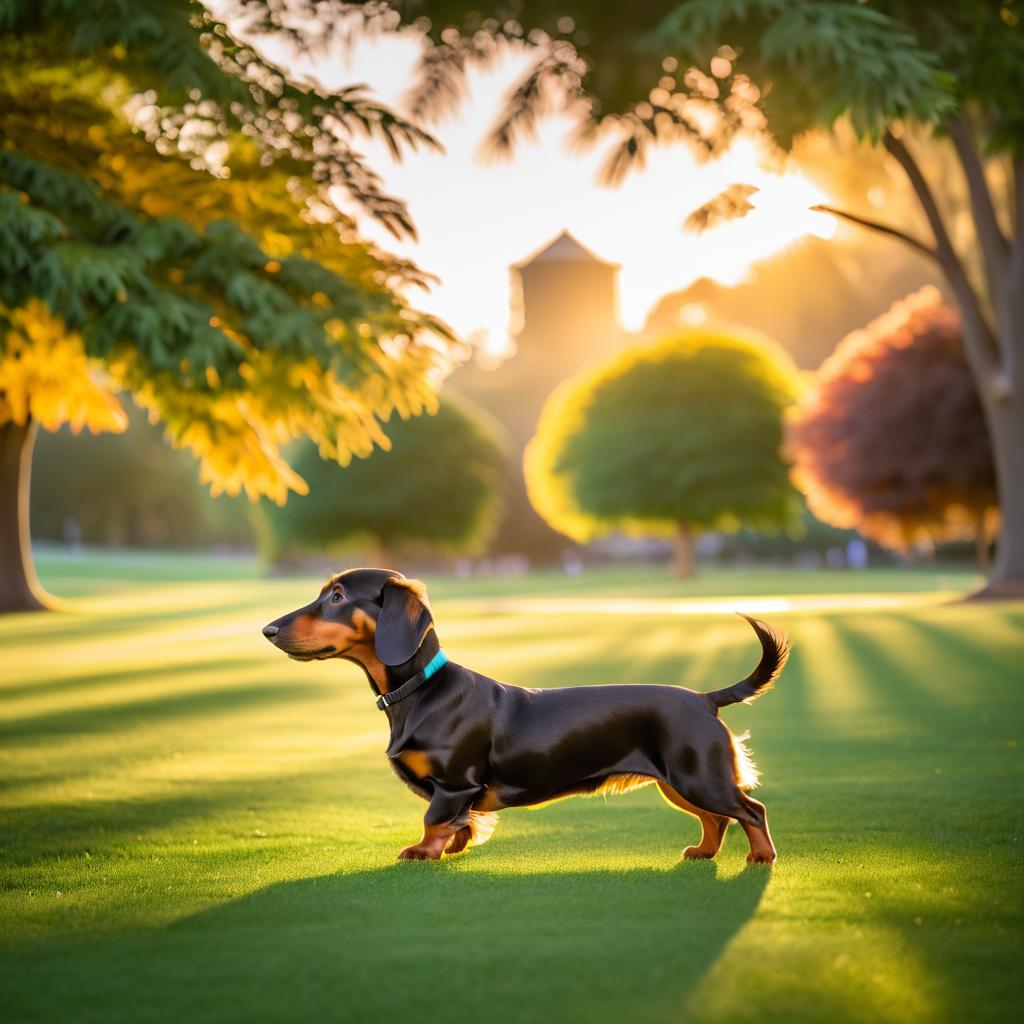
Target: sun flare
478,216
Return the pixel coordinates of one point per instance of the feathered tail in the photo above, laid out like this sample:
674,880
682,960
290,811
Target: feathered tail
775,651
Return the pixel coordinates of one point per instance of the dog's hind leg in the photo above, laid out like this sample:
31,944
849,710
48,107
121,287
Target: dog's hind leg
762,849
459,841
713,825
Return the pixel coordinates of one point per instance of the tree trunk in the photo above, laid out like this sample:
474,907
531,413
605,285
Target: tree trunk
982,544
684,560
995,351
19,589
1006,426
1001,390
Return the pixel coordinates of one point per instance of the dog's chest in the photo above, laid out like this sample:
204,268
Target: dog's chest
414,772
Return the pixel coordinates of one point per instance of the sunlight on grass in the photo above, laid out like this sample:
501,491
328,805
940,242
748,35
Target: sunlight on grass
834,675
751,605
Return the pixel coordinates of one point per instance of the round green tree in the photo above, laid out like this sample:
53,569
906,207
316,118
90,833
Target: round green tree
436,484
675,438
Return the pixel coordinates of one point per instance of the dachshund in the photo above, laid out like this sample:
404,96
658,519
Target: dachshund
471,746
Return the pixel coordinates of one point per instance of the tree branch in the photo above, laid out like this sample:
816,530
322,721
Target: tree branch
994,248
981,342
880,228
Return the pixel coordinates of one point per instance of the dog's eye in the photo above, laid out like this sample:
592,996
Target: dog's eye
336,597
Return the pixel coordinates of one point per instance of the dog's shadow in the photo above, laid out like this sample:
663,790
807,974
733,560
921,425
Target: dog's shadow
417,939
491,941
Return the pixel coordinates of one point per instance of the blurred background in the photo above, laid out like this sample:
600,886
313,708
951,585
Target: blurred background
552,255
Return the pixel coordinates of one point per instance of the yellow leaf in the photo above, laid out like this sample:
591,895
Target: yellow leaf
45,374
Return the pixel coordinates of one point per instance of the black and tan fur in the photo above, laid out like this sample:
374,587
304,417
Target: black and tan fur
471,746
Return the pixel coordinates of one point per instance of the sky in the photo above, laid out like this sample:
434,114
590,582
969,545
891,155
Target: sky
476,217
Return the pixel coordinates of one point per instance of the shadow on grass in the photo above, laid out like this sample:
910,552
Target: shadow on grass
410,940
113,716
145,671
50,830
68,624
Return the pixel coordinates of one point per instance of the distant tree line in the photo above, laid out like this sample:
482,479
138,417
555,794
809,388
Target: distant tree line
130,489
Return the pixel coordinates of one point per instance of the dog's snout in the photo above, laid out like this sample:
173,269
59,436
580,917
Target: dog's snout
270,631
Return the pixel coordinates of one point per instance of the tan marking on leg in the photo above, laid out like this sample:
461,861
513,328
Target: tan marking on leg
459,842
431,846
762,849
488,802
420,763
713,826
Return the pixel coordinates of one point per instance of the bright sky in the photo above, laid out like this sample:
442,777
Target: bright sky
477,217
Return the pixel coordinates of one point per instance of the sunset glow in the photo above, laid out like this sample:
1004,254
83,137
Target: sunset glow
477,216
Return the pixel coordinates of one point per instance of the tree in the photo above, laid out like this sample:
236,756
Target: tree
168,227
950,71
891,439
676,437
437,485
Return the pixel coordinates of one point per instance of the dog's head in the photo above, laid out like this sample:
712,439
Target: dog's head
358,613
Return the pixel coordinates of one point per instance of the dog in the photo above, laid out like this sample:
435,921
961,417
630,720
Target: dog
471,746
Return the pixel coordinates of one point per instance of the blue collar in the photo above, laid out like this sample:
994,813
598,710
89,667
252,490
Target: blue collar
436,663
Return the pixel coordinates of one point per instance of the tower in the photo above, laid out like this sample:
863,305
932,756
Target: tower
568,307
565,301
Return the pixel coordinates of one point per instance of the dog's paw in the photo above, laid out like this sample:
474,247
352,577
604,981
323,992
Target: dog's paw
419,852
696,853
761,858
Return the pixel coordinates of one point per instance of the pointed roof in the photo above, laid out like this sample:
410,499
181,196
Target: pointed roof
563,249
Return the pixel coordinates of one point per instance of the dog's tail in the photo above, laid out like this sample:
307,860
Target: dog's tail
774,652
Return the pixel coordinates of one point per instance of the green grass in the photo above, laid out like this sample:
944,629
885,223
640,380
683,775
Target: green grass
195,828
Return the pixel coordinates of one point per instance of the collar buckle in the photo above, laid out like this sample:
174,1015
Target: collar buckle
386,700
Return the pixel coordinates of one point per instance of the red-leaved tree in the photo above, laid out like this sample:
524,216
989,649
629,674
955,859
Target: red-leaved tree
891,438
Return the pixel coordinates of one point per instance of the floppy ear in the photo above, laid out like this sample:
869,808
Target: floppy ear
404,621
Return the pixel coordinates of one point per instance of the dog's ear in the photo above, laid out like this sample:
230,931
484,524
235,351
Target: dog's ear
405,619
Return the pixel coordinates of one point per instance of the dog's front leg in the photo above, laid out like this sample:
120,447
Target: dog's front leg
448,812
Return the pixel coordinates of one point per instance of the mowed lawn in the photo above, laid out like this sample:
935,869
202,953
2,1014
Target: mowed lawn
196,829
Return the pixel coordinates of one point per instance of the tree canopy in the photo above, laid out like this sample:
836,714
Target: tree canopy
437,485
683,432
239,307
703,70
891,438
